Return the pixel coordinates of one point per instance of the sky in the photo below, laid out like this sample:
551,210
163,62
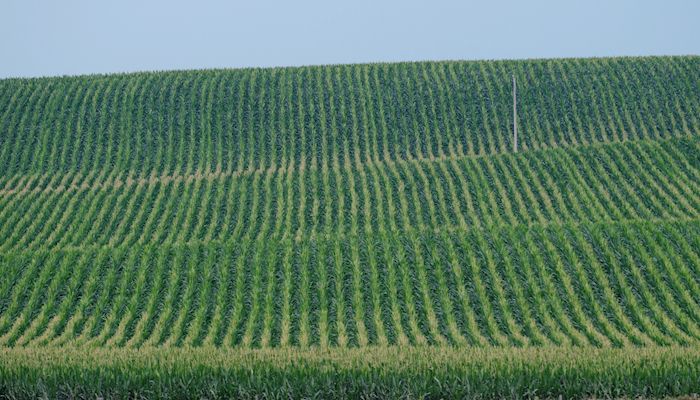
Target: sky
72,37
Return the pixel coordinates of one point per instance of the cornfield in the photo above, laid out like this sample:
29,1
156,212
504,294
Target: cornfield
353,231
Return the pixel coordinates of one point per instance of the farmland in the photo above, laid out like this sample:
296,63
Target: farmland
334,216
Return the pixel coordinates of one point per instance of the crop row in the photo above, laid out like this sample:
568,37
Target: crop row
607,284
234,120
612,182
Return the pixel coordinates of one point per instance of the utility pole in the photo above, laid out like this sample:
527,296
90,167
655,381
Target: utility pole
515,118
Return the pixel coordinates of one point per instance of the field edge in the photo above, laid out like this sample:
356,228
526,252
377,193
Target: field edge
408,372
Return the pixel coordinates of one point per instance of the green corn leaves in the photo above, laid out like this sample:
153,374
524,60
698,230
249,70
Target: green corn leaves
330,215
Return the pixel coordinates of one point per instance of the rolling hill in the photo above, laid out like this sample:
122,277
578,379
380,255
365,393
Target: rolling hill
341,212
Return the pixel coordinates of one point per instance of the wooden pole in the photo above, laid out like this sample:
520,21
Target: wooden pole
515,118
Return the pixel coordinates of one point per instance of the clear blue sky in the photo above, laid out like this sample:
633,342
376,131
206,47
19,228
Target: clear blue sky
68,37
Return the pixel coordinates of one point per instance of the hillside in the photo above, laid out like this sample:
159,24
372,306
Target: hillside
354,206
